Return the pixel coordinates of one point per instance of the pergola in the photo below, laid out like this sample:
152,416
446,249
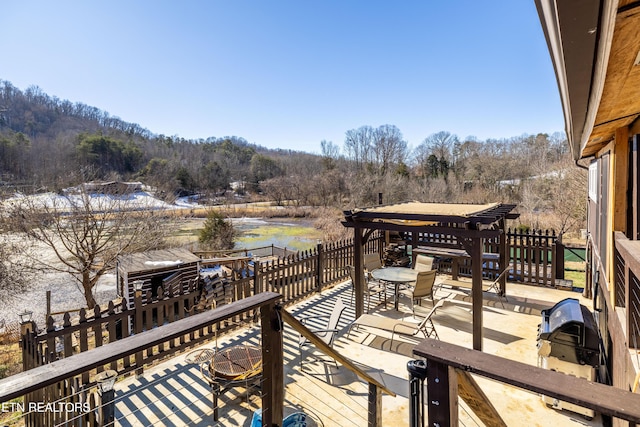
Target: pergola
468,223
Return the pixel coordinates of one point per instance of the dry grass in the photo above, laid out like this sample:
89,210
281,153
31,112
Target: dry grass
328,221
10,353
10,364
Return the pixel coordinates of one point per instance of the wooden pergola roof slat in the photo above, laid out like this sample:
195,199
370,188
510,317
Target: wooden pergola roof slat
433,212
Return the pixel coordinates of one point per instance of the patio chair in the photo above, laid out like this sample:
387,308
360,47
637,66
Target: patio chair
423,263
495,285
372,262
328,332
372,288
423,288
426,326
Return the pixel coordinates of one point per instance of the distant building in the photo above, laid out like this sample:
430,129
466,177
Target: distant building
112,187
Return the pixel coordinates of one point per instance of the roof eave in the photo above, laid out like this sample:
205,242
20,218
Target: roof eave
585,28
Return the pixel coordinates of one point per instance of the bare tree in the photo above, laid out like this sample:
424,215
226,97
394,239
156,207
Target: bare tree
434,155
326,187
14,273
330,154
357,145
441,144
278,189
567,196
389,147
87,232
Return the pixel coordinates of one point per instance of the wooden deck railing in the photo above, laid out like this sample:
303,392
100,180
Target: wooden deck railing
445,361
43,384
295,277
46,385
627,285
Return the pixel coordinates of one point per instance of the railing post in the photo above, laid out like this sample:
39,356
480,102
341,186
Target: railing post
27,331
558,259
257,278
272,365
29,347
137,305
375,406
442,394
319,275
417,374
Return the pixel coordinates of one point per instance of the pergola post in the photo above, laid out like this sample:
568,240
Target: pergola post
474,246
358,265
504,257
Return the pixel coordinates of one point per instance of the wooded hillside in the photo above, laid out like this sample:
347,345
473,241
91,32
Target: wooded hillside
49,144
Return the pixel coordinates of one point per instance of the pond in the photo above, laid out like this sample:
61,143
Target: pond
293,234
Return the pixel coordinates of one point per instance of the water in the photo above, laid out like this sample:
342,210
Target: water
293,234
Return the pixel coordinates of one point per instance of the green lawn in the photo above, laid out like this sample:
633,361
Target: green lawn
578,277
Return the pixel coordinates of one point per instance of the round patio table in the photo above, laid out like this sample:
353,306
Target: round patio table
397,276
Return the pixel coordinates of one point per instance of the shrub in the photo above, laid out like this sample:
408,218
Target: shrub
218,232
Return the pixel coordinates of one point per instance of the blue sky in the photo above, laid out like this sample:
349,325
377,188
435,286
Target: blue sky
288,74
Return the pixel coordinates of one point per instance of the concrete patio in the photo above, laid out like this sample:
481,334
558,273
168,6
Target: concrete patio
174,393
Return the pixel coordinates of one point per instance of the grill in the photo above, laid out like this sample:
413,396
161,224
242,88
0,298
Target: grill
568,342
571,332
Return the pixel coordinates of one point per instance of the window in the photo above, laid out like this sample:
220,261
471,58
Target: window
593,181
603,207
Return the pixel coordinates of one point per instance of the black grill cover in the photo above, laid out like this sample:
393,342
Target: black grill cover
571,330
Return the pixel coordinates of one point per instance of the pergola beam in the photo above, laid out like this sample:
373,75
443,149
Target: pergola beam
429,229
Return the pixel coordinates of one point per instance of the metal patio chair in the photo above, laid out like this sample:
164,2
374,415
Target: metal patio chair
424,263
424,288
372,288
410,329
327,333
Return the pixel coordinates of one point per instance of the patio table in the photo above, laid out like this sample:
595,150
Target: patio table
396,276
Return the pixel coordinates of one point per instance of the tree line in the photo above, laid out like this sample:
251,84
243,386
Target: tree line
48,143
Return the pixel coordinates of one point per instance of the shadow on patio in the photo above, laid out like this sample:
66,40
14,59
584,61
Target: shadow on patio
174,393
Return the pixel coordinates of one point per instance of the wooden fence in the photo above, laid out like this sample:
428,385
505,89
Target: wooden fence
293,276
536,257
